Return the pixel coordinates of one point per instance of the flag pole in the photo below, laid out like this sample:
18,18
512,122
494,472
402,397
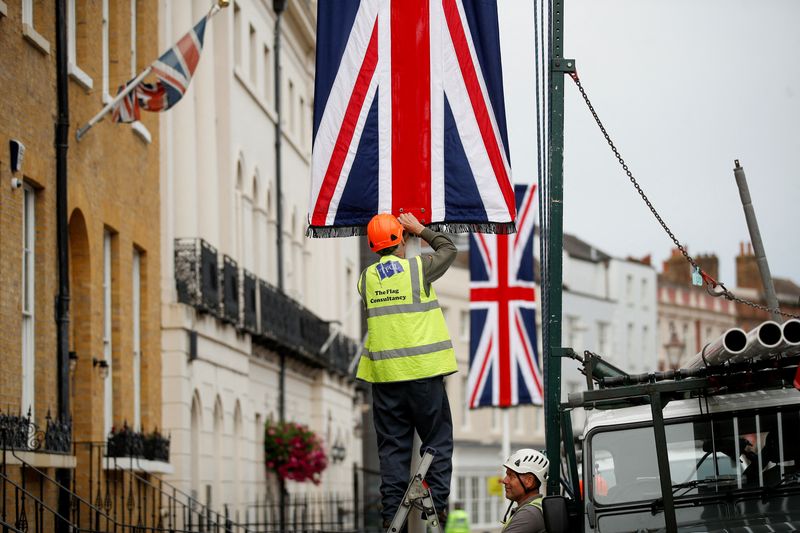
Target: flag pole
132,85
505,450
109,106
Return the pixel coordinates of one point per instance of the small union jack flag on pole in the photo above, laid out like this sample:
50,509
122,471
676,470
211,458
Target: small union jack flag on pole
504,365
409,116
173,70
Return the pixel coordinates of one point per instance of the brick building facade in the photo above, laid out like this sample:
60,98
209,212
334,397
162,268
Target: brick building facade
27,111
113,219
750,287
113,211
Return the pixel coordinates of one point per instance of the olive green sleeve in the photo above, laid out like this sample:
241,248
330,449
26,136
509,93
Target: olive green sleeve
444,253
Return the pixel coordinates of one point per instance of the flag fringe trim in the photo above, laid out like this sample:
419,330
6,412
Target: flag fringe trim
497,228
509,406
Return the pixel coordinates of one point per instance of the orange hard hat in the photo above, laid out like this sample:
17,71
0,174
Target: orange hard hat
384,231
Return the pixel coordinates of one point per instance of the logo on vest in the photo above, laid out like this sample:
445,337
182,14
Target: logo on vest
388,269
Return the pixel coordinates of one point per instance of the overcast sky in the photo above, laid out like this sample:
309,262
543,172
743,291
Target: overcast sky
684,87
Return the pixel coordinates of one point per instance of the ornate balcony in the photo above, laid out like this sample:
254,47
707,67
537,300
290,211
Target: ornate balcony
236,296
286,324
22,433
249,298
197,275
125,442
230,291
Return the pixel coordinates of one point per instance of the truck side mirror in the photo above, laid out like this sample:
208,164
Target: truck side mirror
556,516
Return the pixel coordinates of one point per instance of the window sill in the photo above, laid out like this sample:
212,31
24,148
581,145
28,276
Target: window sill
142,131
80,77
288,135
240,77
41,459
135,464
35,38
3,8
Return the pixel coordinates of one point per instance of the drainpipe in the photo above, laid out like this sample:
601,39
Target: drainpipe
279,6
63,475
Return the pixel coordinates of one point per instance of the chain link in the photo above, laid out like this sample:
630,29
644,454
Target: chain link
724,292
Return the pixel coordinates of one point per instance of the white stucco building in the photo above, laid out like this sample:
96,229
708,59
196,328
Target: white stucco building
221,358
609,307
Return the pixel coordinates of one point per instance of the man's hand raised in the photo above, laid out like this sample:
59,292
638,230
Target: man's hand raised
410,223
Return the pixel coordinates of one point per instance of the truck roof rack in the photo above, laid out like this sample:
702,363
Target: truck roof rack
634,389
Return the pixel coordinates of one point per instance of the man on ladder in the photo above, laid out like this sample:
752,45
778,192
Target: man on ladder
407,354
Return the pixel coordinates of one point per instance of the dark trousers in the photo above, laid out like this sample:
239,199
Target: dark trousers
399,409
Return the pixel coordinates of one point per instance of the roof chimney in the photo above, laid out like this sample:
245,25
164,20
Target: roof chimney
747,274
708,263
676,268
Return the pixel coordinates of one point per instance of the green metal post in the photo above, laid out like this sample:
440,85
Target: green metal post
552,361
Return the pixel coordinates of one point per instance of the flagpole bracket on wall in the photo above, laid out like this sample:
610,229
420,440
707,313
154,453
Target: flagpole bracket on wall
563,65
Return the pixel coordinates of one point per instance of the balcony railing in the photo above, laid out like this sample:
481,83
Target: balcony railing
197,275
125,442
230,291
19,432
236,296
249,302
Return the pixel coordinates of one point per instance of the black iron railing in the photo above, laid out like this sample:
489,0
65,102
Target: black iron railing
19,432
304,512
111,494
129,495
230,291
249,298
29,501
125,442
219,287
197,275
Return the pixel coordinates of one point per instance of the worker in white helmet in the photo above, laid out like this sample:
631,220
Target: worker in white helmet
526,474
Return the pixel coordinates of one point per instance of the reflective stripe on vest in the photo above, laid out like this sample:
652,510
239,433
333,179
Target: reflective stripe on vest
408,337
536,502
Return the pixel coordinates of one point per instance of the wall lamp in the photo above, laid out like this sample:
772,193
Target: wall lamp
103,364
338,452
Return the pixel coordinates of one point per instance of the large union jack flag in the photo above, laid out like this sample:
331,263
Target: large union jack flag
173,70
503,363
409,116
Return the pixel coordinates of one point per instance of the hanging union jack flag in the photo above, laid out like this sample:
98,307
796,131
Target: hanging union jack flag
503,362
409,116
173,70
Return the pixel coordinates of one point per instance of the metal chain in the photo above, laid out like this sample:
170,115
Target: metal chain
710,282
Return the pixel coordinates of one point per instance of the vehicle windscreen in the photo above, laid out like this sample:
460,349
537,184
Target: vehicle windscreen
707,454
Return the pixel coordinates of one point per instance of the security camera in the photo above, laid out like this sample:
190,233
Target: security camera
16,183
17,152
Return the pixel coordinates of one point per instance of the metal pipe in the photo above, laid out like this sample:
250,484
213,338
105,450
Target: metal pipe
552,306
726,346
278,7
63,475
790,344
762,340
755,238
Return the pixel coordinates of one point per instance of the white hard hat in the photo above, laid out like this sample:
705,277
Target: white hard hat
529,461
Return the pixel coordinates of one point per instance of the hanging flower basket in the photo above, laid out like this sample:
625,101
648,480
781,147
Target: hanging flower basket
293,451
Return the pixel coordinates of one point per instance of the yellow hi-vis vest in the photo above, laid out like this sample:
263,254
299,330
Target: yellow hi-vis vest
407,335
536,502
